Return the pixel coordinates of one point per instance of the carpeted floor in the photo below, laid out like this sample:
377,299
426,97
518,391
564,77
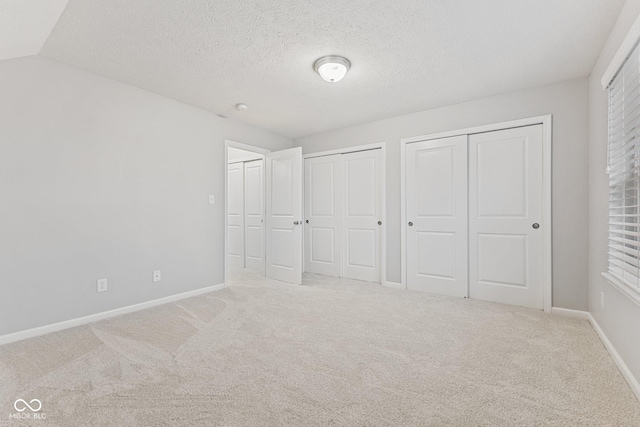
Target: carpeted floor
331,352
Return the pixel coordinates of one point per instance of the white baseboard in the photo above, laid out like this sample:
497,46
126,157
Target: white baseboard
393,285
624,369
566,312
41,330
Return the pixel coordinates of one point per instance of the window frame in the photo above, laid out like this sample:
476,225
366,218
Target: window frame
623,168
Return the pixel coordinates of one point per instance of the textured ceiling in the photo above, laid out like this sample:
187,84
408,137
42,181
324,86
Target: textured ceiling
406,55
26,24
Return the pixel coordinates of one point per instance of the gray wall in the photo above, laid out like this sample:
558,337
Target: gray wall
620,317
100,179
567,101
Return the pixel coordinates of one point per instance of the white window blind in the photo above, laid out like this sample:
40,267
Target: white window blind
624,173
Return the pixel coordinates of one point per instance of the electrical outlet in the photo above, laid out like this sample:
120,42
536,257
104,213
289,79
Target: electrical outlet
157,275
102,285
601,299
212,199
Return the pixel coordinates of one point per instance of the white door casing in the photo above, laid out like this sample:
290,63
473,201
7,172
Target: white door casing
436,212
284,215
506,247
253,215
323,215
235,215
362,205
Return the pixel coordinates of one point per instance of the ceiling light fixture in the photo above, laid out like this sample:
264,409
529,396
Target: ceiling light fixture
331,68
242,107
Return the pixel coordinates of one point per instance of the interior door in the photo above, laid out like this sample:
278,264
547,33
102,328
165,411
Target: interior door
284,215
235,215
505,214
436,189
253,215
362,203
323,214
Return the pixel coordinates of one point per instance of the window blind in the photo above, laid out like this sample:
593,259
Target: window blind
624,173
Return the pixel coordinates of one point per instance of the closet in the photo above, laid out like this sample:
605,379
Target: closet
474,212
343,215
245,215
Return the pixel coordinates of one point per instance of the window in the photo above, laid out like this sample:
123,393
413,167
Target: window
624,176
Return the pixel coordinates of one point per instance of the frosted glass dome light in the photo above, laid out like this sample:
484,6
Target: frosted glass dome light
332,68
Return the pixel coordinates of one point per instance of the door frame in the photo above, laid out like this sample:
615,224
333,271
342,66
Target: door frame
546,122
383,184
262,151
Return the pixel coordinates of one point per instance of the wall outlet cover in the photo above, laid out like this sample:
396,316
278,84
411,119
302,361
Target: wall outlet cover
102,285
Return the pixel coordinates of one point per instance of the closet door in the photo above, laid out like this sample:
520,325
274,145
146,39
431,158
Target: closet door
235,215
253,215
505,216
362,204
436,189
323,215
284,215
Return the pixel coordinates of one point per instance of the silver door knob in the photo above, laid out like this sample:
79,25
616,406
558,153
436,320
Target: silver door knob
379,222
296,222
410,224
535,225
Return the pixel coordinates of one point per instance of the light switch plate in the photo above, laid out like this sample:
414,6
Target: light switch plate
212,199
157,275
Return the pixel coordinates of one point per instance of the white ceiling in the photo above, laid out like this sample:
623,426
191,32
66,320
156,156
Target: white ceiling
26,24
407,55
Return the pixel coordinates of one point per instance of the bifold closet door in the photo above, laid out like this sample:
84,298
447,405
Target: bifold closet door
323,214
436,191
235,215
253,215
284,215
362,208
505,216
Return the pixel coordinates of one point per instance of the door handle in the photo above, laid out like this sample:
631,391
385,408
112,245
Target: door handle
535,225
307,221
296,222
410,224
379,222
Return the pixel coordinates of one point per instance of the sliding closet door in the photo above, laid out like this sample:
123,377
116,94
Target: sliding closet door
436,189
235,215
253,215
362,204
505,216
323,214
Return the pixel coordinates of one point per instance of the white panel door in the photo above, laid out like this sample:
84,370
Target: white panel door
253,215
235,215
284,215
436,189
362,204
505,216
323,215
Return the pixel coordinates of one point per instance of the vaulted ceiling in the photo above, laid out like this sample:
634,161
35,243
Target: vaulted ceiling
406,55
25,25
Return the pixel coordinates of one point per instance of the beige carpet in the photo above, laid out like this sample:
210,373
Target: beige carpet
332,352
